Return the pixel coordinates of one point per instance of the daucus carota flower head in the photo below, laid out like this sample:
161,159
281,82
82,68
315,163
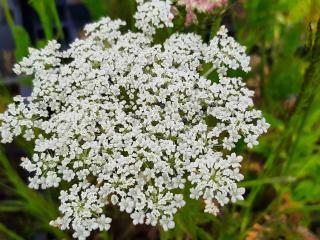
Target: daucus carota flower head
128,122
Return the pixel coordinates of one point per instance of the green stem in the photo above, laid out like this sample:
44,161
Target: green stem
272,180
303,208
207,73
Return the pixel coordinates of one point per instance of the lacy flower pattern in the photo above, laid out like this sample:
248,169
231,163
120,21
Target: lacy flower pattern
123,121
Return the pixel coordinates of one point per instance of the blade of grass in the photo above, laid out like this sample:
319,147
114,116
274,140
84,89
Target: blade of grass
9,233
303,208
272,180
12,206
40,8
49,17
56,19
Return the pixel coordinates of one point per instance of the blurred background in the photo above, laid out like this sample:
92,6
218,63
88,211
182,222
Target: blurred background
281,174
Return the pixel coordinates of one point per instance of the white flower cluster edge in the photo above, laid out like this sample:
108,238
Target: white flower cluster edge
124,121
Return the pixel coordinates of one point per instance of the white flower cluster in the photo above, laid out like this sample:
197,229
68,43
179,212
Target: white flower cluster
153,14
124,121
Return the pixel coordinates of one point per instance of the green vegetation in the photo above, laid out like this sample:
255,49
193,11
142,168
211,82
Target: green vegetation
281,174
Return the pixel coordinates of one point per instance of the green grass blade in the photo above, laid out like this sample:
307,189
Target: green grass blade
9,233
49,18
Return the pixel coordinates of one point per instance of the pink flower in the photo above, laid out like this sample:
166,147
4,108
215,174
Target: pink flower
201,6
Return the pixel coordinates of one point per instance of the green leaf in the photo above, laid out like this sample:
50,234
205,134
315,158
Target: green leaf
20,36
307,190
22,42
